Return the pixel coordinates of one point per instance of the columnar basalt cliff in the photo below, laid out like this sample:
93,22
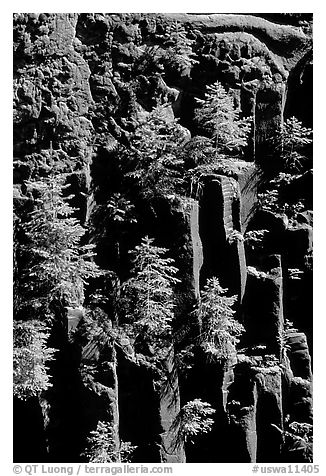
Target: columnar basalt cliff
84,85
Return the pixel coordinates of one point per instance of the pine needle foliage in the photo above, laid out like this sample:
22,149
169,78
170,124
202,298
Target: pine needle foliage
120,210
111,222
30,356
156,168
290,145
103,448
290,142
218,118
193,420
58,265
179,55
150,291
56,268
220,330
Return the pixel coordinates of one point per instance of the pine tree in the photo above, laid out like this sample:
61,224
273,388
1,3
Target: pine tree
219,331
58,265
219,119
291,140
30,356
111,222
54,274
102,447
150,292
157,169
193,420
290,151
179,55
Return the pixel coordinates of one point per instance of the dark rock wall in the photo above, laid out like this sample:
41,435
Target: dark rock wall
78,83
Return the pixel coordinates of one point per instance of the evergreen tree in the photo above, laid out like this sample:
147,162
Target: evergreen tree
57,264
150,292
54,274
179,55
290,149
219,329
193,420
30,356
220,120
102,447
290,142
157,170
111,222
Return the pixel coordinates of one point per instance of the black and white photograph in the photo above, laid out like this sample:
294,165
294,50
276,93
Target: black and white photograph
162,239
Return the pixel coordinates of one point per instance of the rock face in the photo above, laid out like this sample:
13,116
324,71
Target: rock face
220,228
255,405
169,408
81,82
299,355
263,311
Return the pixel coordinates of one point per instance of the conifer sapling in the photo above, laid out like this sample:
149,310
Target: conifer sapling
220,120
220,331
150,291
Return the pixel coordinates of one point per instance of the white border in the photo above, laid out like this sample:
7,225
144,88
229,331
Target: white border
319,196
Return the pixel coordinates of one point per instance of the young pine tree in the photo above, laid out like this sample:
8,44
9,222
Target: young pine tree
220,331
179,55
57,264
111,222
150,292
56,267
194,419
30,356
102,447
156,168
290,143
290,146
219,120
